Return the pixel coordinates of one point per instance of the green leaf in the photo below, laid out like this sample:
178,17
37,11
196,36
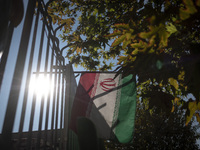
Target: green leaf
118,40
128,36
125,43
171,28
111,10
115,33
147,35
95,11
139,46
135,52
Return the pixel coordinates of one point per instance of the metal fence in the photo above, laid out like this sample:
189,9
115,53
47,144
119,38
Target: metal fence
30,119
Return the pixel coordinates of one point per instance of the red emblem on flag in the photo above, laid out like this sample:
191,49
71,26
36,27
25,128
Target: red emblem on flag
107,84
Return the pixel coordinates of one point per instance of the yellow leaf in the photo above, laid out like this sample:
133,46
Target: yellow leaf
181,75
78,50
151,112
192,107
122,25
160,84
190,9
197,117
174,83
176,100
135,52
198,105
164,35
152,41
173,108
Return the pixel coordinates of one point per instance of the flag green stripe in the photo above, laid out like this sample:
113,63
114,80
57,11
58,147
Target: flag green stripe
126,115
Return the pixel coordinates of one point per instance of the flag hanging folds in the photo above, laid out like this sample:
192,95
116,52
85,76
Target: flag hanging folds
109,102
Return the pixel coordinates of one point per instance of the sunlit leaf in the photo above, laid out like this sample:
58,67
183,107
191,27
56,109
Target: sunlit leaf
118,40
181,75
128,36
121,59
78,50
147,35
171,28
163,34
95,11
122,25
115,33
151,41
125,43
192,107
174,83
134,52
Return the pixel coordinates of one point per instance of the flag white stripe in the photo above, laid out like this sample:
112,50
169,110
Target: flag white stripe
106,113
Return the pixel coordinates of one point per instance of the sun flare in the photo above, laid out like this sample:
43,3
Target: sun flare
40,85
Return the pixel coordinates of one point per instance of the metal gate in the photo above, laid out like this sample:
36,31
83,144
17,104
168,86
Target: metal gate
31,118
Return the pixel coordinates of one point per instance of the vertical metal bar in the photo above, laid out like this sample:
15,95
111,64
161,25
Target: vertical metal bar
61,112
42,99
42,105
47,112
17,79
57,107
67,105
53,109
34,96
28,79
5,10
6,51
48,97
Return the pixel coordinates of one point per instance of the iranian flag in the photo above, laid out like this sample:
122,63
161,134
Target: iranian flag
110,103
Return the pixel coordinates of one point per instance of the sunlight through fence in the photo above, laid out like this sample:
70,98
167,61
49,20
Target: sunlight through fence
35,83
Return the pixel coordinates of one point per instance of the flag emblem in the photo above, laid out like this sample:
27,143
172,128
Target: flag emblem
109,101
107,84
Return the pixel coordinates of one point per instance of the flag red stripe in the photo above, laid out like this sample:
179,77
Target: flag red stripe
103,84
82,98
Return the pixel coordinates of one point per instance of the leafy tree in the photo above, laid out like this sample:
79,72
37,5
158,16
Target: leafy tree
163,131
160,131
157,41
